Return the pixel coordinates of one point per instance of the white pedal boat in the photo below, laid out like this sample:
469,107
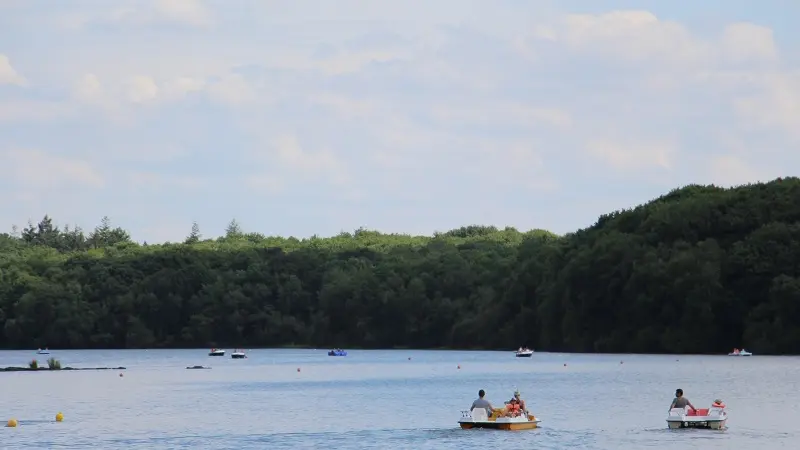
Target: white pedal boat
742,352
478,418
713,418
523,353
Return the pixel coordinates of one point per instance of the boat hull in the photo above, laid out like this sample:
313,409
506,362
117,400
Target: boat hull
713,418
216,354
337,353
507,426
236,356
479,419
524,355
701,424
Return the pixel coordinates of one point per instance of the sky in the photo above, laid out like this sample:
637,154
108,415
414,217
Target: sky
303,117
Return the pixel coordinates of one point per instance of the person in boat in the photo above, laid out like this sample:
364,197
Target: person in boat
718,404
680,401
481,402
515,406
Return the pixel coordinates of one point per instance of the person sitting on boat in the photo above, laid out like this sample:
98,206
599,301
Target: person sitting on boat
513,408
680,401
481,402
718,404
516,405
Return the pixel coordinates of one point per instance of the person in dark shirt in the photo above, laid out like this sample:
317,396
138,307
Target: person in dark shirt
680,401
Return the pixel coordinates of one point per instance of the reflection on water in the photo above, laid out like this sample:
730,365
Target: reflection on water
383,399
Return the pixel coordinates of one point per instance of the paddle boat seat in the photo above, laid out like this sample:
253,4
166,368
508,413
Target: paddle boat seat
479,414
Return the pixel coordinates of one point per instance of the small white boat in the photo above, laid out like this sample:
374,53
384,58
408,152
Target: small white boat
238,354
216,352
523,353
479,418
43,352
713,418
742,352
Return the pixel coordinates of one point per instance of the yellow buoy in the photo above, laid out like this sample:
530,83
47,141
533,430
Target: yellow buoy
59,417
11,423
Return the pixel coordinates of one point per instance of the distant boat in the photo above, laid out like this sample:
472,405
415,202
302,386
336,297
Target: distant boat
742,352
43,352
337,352
238,354
216,352
523,353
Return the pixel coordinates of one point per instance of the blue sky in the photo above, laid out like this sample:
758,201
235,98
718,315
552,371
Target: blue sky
313,117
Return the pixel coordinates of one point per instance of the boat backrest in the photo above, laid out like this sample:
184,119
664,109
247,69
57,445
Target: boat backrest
677,411
479,414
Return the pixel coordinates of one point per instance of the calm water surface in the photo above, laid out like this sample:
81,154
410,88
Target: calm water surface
383,399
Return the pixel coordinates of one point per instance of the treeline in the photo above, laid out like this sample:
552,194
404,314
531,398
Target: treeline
700,270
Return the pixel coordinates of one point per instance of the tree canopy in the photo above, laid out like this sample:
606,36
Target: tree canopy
701,269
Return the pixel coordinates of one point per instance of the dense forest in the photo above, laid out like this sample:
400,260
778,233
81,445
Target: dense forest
700,270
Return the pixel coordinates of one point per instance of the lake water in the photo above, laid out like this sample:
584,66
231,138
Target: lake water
383,399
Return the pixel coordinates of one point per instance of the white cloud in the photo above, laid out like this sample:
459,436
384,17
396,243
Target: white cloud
638,36
266,184
9,75
232,90
32,110
487,112
141,89
158,182
323,162
747,43
138,12
633,156
635,36
370,105
88,89
731,170
775,105
189,11
40,171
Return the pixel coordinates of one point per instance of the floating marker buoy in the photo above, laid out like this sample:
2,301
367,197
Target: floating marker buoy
11,423
298,369
409,358
59,417
565,364
120,375
620,362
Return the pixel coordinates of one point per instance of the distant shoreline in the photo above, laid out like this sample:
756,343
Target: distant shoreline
312,348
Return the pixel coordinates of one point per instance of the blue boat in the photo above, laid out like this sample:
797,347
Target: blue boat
337,352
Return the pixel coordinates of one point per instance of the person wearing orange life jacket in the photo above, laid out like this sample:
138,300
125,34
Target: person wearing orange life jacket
516,406
512,408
